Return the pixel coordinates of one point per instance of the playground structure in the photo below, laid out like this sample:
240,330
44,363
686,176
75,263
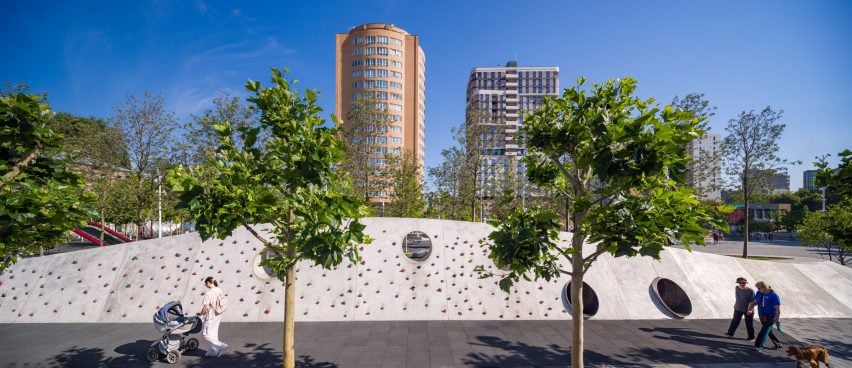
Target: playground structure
435,281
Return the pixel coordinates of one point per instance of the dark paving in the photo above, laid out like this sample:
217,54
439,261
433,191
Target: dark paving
660,343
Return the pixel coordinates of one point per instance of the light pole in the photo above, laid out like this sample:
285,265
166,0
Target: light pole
822,189
159,205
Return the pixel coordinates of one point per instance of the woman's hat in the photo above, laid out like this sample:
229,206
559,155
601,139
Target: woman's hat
741,280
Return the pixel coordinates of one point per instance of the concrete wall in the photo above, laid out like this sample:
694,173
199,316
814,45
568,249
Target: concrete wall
127,283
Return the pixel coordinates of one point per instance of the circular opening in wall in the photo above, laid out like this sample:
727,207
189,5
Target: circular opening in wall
417,246
262,272
590,300
672,297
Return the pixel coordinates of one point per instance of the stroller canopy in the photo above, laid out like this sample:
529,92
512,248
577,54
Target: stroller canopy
171,311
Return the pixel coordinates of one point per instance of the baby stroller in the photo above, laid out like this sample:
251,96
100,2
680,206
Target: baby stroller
175,327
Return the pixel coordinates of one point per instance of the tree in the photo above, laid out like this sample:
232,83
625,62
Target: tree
619,161
289,181
750,157
450,192
703,168
147,129
838,180
365,138
42,198
200,138
403,173
831,230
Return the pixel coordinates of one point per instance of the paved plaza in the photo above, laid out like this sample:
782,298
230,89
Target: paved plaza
637,343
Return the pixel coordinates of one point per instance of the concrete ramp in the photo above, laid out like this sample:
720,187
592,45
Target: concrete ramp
127,283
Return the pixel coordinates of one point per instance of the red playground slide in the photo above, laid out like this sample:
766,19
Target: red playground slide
88,237
109,231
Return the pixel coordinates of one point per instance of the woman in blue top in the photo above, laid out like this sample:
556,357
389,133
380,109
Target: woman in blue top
769,308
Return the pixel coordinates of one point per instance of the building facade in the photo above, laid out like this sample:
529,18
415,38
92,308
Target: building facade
384,62
498,98
706,166
809,180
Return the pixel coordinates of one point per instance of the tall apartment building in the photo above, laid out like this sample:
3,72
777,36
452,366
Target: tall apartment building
809,180
706,166
497,100
386,63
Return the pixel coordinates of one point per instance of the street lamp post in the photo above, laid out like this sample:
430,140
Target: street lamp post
822,189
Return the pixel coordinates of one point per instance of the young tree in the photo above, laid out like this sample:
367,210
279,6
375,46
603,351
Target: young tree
42,198
706,165
618,160
750,158
403,175
289,181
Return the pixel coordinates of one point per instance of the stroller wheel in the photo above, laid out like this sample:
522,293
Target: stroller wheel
192,344
153,354
172,357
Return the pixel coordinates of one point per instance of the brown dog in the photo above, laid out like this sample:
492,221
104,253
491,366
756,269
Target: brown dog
811,354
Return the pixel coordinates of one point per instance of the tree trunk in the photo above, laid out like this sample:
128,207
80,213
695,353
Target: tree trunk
745,220
577,343
289,311
290,307
102,235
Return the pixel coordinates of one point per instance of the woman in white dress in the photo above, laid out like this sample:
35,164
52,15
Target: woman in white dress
211,320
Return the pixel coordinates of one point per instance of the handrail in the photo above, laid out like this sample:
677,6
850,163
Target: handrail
109,231
89,237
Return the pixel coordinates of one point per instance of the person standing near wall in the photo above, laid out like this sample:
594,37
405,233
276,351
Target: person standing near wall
211,304
744,297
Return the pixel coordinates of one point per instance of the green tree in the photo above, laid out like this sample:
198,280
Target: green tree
750,158
289,181
200,138
831,230
618,160
147,129
42,198
406,197
838,180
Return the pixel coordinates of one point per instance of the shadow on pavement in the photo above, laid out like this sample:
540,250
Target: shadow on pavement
713,348
133,355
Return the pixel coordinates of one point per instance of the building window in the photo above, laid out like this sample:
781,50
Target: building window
396,53
357,51
370,51
395,107
356,96
396,140
357,73
395,41
382,50
383,40
396,85
396,128
358,62
396,74
395,118
371,40
376,84
357,84
396,64
357,41
395,96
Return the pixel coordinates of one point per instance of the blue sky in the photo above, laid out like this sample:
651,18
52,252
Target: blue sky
792,55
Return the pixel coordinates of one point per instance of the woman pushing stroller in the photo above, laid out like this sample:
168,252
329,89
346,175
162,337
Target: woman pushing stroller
214,305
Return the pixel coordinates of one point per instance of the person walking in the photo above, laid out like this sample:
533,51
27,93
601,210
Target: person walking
769,308
211,319
744,296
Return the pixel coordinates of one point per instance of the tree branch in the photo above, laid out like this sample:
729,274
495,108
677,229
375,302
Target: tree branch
594,256
20,166
254,232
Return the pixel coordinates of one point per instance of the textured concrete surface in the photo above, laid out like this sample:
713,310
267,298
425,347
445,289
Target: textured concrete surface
634,343
127,283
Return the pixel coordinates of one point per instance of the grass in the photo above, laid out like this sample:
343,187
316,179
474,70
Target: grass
761,258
